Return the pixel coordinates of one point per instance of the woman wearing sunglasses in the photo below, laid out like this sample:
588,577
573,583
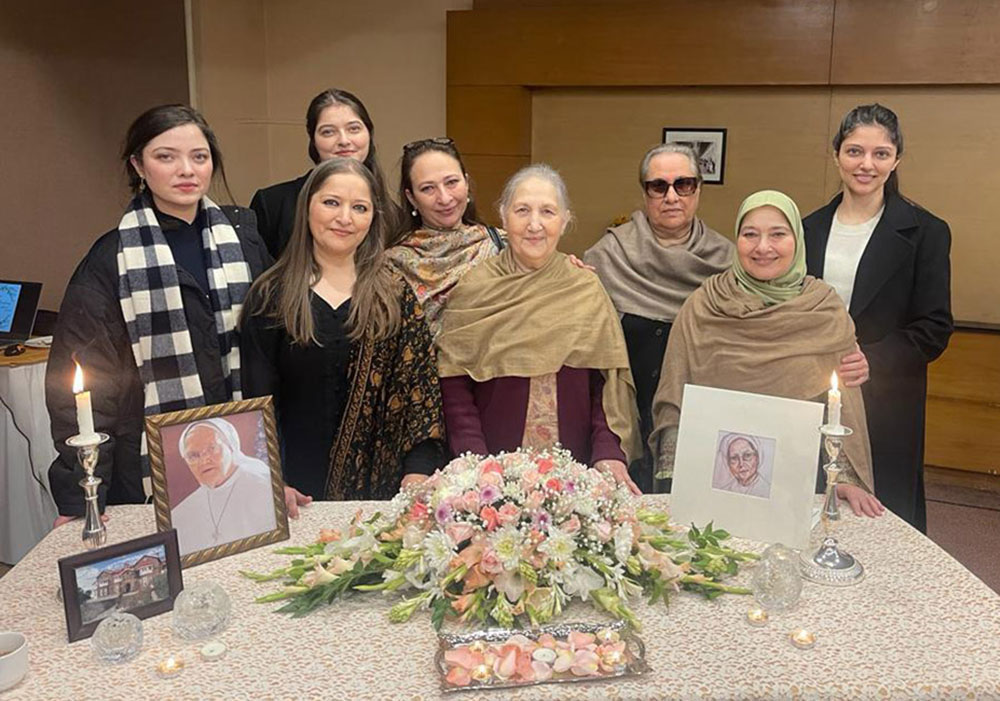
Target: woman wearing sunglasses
338,126
651,263
889,261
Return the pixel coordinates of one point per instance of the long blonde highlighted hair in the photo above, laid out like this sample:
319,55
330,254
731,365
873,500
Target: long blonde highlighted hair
283,292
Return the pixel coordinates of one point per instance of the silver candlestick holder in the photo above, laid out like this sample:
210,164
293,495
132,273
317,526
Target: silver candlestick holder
829,564
88,450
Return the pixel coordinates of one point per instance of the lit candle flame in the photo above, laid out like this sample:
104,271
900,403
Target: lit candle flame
78,380
833,381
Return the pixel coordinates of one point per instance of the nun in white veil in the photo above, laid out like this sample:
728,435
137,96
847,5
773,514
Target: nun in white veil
743,465
234,499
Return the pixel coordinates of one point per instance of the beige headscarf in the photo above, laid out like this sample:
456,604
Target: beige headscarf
727,337
502,321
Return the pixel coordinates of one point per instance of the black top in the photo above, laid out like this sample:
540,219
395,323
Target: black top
91,326
310,385
646,340
186,244
275,209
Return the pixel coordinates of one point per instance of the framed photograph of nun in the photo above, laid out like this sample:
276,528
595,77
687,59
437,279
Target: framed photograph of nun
217,478
748,462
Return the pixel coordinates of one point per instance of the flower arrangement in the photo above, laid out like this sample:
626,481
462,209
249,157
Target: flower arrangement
507,537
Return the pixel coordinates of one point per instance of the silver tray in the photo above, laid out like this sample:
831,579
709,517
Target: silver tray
635,652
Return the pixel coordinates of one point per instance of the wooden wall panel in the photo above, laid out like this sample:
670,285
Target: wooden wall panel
490,120
675,42
916,42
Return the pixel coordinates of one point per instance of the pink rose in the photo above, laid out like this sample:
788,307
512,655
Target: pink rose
459,532
491,519
555,484
529,479
571,525
534,500
509,513
490,564
491,465
490,478
470,501
545,465
602,529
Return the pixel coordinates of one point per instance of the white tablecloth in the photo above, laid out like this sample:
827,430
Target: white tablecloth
919,626
26,507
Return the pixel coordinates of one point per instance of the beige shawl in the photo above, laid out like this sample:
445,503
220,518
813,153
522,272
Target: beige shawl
726,337
502,321
650,280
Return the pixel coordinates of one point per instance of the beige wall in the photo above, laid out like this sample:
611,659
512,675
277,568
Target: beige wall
270,57
70,86
779,138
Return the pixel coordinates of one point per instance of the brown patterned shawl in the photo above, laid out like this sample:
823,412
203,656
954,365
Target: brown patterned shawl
394,403
433,262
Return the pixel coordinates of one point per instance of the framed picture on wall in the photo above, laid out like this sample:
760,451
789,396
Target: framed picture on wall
217,478
708,143
748,461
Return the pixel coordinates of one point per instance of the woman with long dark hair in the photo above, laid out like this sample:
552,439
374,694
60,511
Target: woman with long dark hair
341,343
151,311
888,259
339,126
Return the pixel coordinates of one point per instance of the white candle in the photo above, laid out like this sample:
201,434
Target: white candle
833,402
84,411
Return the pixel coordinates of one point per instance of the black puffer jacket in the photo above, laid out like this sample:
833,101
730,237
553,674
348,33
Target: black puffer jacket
91,324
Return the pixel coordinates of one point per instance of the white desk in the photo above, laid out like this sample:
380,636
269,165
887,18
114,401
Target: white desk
26,452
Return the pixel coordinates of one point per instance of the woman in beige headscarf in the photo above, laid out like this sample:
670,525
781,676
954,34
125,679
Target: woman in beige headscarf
766,327
531,352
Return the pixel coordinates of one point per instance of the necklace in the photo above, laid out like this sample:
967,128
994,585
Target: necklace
217,521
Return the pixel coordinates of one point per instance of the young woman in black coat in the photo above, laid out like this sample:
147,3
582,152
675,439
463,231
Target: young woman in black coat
145,353
339,126
888,258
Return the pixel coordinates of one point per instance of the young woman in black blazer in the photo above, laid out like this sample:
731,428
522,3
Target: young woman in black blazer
889,260
339,126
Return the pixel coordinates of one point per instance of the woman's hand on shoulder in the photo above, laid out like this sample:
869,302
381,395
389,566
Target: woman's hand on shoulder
854,370
412,478
294,499
576,262
618,470
862,503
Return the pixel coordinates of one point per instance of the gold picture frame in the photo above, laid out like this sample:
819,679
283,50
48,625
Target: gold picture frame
192,478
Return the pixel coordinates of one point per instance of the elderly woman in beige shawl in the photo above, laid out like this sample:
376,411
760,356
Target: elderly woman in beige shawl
651,263
764,326
531,353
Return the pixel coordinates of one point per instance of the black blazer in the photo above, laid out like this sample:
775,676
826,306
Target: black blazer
275,210
901,304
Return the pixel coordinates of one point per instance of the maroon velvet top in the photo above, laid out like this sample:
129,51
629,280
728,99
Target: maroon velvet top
487,417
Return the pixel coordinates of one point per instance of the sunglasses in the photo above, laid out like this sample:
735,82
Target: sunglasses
436,141
684,187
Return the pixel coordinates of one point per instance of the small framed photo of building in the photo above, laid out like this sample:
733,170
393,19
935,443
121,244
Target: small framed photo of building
748,462
709,145
140,576
217,480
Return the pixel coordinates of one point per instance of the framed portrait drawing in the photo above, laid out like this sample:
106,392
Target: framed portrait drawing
140,576
217,478
749,462
709,144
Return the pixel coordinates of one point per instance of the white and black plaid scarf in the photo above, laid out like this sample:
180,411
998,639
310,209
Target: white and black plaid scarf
151,302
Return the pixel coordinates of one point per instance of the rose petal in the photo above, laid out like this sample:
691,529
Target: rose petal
457,676
585,663
564,660
578,640
542,671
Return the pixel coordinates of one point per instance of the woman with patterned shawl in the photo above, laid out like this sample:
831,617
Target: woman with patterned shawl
342,344
531,353
764,326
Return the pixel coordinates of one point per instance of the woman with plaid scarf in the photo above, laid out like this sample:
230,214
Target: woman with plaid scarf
151,311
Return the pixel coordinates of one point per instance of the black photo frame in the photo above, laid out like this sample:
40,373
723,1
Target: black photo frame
131,581
709,144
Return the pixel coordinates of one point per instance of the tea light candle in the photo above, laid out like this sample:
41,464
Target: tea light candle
802,638
213,650
170,667
757,617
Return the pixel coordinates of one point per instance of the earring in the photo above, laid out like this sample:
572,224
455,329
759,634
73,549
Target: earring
142,184
413,212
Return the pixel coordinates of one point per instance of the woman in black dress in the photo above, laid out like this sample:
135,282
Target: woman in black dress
888,258
339,127
341,343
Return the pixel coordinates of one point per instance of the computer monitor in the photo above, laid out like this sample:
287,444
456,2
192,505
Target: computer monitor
18,306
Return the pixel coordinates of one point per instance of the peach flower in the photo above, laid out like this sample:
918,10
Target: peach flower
509,513
490,516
